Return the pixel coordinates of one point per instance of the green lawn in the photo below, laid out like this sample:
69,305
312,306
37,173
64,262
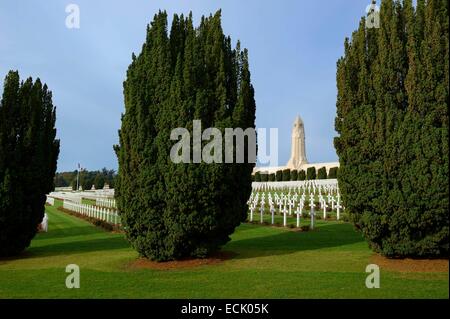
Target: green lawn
88,201
268,262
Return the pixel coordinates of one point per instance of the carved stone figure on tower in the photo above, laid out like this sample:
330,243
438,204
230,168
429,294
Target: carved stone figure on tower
298,160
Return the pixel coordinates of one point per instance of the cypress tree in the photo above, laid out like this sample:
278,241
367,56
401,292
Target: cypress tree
172,211
272,177
286,175
28,156
311,173
392,121
294,175
332,174
279,176
301,175
322,173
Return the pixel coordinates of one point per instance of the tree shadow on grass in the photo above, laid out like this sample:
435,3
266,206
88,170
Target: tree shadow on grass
282,243
72,247
288,241
67,232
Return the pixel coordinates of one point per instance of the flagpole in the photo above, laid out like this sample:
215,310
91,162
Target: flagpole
78,177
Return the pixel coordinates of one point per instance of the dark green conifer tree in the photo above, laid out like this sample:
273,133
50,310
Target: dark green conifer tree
286,175
392,120
172,211
332,174
301,175
311,173
294,175
279,176
28,156
322,173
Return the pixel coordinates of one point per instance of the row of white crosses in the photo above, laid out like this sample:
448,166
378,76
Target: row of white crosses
101,200
105,202
78,196
101,213
286,202
309,186
73,197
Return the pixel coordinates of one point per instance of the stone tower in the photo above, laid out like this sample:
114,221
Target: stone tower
298,152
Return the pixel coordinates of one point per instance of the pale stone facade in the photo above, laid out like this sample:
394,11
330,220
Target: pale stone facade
298,152
298,160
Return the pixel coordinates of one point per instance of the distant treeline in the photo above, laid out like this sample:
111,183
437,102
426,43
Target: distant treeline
86,179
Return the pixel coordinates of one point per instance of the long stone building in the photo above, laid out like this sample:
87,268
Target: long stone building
298,160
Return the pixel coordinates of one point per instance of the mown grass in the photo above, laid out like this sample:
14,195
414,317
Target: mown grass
88,201
267,262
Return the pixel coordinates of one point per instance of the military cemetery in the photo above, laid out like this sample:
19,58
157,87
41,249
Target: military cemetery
181,105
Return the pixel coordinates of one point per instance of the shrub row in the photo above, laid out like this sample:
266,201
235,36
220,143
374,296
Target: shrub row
96,222
287,175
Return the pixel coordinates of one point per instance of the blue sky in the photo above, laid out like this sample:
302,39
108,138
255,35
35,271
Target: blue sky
293,47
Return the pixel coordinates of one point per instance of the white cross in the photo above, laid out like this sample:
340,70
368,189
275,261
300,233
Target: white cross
311,204
299,212
261,210
272,211
252,208
291,203
284,216
338,209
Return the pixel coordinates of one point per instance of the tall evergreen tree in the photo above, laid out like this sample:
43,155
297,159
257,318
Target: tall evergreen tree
169,210
322,173
28,156
279,176
392,120
333,173
264,177
294,175
311,173
301,175
286,175
272,177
